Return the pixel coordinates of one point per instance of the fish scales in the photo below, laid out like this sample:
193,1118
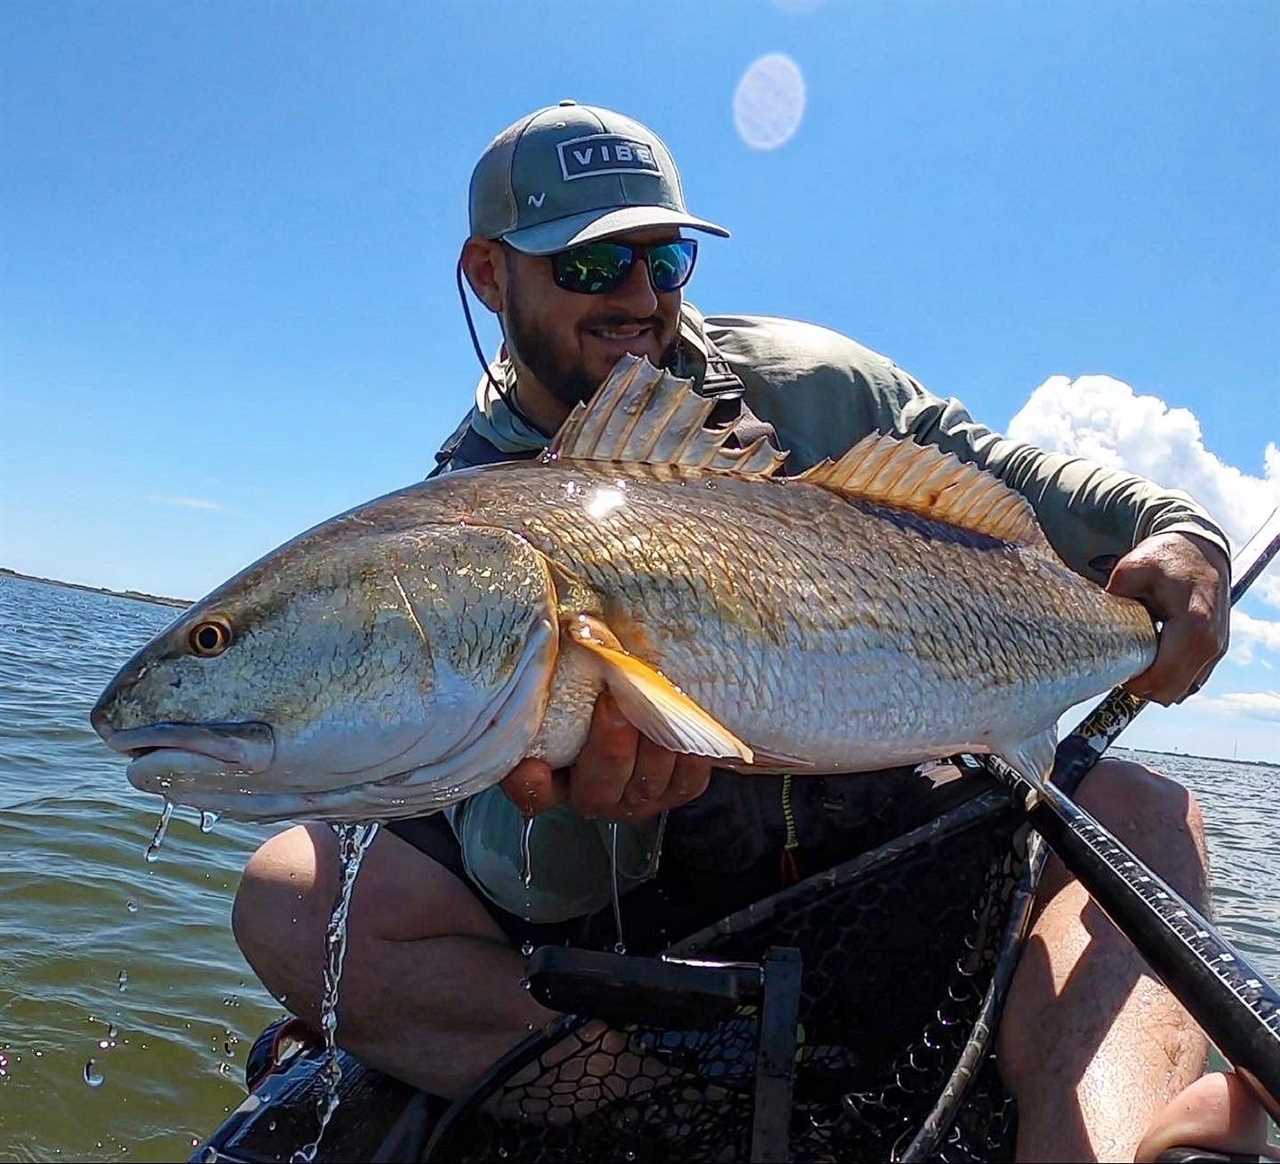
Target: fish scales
409,653
732,584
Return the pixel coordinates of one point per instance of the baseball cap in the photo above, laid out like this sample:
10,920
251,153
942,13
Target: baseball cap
571,173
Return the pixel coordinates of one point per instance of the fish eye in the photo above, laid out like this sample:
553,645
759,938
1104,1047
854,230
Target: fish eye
209,638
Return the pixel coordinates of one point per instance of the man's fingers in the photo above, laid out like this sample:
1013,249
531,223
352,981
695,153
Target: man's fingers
1184,582
1188,646
604,766
651,775
689,780
533,788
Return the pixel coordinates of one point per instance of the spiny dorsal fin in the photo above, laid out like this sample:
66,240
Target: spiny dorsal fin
644,414
932,483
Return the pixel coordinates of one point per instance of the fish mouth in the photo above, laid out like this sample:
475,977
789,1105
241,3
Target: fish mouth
163,754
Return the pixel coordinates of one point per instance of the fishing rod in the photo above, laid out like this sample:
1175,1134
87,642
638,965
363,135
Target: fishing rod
1235,1005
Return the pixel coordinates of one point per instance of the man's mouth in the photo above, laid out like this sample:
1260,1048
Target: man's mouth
621,332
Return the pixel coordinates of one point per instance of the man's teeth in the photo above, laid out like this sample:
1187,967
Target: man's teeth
619,332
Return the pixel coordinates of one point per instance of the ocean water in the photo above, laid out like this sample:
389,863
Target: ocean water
108,958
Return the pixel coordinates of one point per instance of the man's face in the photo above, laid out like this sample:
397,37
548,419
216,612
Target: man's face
571,341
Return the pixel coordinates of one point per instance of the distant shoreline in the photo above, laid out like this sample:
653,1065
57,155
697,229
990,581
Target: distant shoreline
136,595
1196,756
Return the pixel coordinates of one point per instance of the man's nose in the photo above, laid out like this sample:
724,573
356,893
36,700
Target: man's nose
637,293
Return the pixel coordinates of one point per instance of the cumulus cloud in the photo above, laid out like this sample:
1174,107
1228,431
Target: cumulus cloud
1106,420
189,502
1264,705
1248,634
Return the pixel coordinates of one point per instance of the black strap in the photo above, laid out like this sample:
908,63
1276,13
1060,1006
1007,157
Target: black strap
467,448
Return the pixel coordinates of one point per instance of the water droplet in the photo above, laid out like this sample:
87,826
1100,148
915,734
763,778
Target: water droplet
224,1068
131,905
526,852
104,1044
153,849
526,949
112,1030
230,1046
271,1126
92,1076
619,947
613,885
207,821
122,980
525,984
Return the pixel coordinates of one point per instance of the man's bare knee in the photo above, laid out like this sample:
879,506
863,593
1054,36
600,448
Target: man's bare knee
1155,816
282,905
1135,795
287,892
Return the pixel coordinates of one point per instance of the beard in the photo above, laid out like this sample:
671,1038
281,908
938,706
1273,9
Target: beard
564,376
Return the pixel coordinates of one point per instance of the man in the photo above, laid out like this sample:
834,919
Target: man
575,244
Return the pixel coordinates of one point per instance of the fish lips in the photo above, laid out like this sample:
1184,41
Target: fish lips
169,754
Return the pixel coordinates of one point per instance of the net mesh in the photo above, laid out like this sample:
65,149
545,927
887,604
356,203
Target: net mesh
894,972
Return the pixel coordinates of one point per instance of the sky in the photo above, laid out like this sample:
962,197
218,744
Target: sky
228,235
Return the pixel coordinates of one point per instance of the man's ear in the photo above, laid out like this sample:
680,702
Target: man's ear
484,265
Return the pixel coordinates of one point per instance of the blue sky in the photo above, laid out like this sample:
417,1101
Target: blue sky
226,281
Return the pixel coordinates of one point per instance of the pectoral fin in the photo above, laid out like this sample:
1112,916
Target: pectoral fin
655,705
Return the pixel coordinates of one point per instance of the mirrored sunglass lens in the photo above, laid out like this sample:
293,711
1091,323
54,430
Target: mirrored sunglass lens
671,265
593,267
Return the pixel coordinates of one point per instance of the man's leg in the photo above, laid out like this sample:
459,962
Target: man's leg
430,986
1090,1044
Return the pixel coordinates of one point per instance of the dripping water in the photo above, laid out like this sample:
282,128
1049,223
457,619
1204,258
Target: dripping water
353,842
153,849
526,852
207,821
620,946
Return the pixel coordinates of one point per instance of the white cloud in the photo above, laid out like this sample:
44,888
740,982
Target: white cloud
189,502
1248,634
1268,586
1264,705
1104,419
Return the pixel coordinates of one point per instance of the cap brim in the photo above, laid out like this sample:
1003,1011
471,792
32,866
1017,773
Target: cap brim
548,237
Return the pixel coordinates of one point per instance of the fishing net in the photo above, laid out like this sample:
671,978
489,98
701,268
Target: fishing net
893,979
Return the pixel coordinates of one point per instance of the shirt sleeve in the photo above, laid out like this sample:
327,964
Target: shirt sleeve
824,392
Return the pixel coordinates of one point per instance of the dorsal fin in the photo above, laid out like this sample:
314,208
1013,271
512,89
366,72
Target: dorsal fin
644,414
935,484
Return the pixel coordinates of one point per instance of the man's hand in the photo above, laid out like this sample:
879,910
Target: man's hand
618,775
1185,582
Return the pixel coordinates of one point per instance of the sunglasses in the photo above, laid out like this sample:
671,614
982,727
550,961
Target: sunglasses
598,268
